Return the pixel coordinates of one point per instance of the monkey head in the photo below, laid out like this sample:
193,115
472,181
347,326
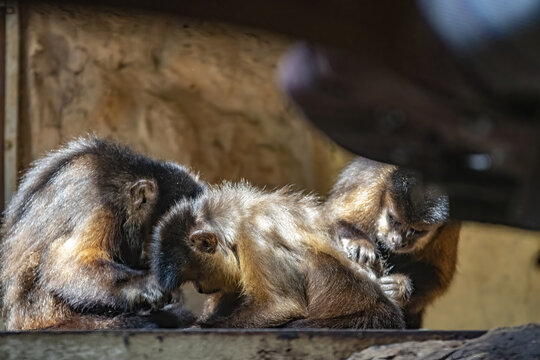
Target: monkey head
189,247
410,214
144,197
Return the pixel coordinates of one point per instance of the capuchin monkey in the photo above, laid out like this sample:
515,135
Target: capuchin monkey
266,261
75,233
382,211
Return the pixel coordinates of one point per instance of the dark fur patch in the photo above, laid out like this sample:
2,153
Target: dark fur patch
417,202
170,242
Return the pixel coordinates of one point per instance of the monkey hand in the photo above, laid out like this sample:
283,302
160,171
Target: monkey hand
152,295
397,287
361,251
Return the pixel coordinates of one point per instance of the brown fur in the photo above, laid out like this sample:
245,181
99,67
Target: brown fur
174,316
272,264
430,269
359,205
73,236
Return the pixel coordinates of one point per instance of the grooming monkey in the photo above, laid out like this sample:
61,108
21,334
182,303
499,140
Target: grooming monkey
380,210
73,238
266,260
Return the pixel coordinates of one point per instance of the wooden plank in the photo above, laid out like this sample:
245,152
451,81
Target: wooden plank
208,344
2,95
11,106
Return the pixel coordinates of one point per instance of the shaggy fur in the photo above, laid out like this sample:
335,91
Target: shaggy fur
382,211
267,261
74,238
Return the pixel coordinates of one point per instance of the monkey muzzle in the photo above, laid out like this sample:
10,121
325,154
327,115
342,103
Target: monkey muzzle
399,243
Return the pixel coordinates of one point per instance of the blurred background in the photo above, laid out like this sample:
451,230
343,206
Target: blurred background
204,94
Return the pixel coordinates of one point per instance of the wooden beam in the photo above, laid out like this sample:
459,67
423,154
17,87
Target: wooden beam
208,344
11,106
2,94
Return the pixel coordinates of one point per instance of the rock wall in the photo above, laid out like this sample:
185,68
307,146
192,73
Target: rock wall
199,93
203,94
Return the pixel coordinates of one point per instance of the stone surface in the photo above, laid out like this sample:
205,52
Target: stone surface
505,343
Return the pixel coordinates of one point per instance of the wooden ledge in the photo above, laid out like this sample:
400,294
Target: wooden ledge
208,343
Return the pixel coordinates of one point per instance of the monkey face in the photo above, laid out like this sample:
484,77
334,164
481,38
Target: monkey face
399,236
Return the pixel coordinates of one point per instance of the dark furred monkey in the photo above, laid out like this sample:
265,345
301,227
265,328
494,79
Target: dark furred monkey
380,210
267,261
73,236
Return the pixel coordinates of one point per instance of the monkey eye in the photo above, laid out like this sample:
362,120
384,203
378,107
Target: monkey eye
418,232
393,220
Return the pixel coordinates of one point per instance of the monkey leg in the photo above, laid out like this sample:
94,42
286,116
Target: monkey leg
234,312
378,316
428,283
341,297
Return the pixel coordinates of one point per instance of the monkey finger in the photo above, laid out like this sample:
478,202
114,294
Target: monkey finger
353,253
387,280
392,294
389,287
366,256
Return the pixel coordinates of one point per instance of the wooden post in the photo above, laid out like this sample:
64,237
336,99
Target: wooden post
10,30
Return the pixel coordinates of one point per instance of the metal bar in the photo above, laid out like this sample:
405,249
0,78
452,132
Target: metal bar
11,106
208,344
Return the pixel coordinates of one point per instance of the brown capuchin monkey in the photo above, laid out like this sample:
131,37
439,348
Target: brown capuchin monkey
382,211
73,244
266,260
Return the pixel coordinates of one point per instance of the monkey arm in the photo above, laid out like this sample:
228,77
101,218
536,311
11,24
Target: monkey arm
91,279
427,284
433,272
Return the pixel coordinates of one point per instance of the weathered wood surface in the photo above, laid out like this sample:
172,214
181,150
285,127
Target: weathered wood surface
505,343
207,344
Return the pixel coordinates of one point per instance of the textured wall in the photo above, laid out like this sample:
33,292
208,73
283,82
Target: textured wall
203,94
199,93
497,282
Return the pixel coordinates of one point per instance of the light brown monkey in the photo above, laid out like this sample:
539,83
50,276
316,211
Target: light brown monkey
266,260
73,237
380,210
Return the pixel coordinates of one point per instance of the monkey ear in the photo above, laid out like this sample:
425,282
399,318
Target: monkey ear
204,241
142,191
